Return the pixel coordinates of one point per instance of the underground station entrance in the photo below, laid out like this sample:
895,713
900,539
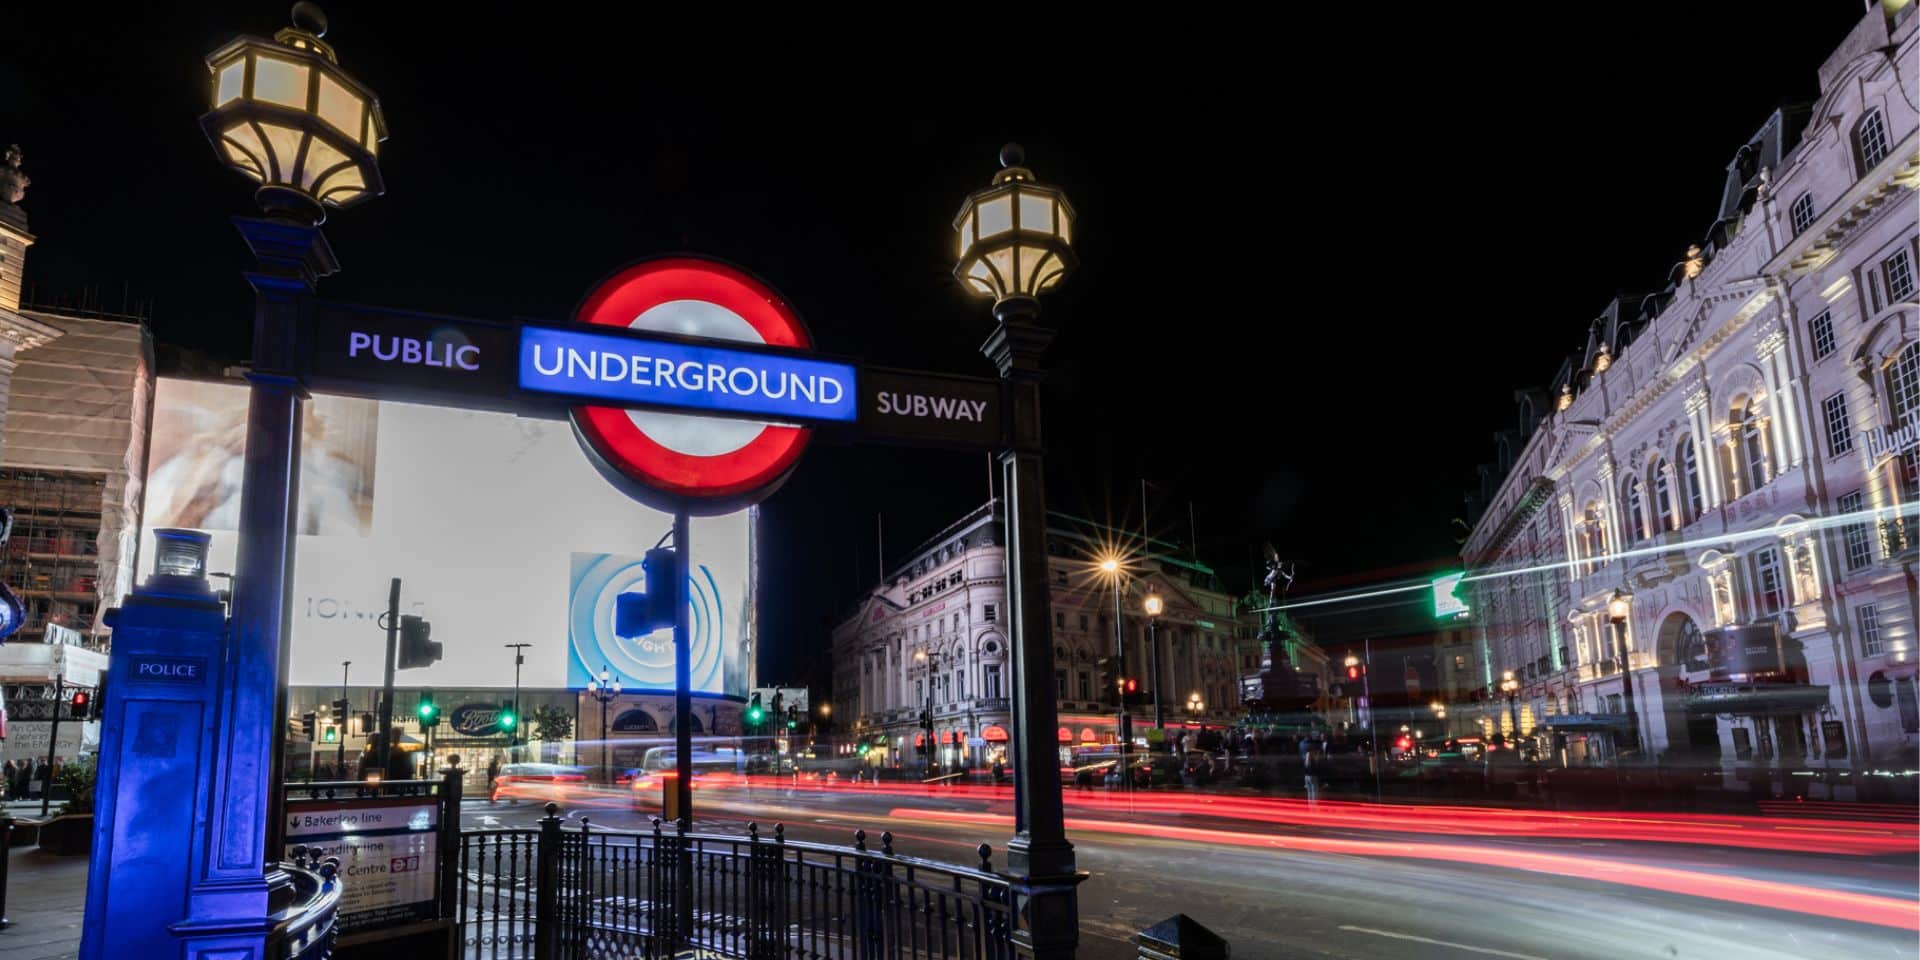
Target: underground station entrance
692,388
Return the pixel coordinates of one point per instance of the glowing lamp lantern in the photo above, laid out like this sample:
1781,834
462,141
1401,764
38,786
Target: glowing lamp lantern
1154,605
1016,236
285,115
1619,606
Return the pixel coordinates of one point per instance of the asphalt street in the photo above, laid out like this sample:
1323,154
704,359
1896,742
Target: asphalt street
1276,890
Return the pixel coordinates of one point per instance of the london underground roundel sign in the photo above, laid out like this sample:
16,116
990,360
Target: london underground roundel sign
704,464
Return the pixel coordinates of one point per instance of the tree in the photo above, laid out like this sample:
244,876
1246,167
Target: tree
551,726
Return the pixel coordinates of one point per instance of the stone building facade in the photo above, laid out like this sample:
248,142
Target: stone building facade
1736,457
933,639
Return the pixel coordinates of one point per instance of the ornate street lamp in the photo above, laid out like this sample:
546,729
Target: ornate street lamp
1153,605
605,689
1619,609
1016,236
285,115
1015,242
1510,685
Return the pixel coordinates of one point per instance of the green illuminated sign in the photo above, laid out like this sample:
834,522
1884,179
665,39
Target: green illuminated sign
1447,605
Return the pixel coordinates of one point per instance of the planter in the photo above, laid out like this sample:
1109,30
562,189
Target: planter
68,835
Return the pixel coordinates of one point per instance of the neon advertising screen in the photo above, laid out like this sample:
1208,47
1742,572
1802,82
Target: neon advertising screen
499,528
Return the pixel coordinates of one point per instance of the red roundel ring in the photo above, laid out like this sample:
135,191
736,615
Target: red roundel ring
706,460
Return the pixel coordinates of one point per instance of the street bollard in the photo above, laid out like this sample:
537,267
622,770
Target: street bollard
1181,937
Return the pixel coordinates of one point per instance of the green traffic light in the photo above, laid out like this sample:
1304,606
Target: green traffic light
863,749
331,736
791,725
755,714
427,709
507,720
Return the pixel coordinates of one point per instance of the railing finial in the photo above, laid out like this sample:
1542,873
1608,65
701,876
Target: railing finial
779,833
886,842
753,831
553,809
986,857
860,840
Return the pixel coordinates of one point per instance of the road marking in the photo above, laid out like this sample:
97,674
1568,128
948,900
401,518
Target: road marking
1441,943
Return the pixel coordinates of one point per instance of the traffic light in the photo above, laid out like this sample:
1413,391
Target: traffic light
638,614
864,747
366,724
308,721
1353,671
331,734
506,719
1130,690
97,706
415,649
81,703
341,708
12,614
429,711
755,712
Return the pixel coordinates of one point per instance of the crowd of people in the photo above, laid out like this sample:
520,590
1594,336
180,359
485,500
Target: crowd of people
24,779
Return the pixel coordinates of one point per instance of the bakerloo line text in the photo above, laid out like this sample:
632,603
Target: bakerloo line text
605,366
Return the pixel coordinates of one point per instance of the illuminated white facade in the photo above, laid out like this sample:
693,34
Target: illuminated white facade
1738,450
933,637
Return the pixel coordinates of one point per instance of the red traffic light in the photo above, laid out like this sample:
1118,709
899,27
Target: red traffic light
1405,743
77,707
1353,673
1133,685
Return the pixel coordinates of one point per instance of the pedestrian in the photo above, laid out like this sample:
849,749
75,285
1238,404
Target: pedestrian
493,773
1312,757
39,785
6,782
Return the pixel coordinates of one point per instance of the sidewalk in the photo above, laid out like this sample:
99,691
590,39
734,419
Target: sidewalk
46,897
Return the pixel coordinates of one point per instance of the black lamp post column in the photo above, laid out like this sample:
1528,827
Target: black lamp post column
247,792
1039,852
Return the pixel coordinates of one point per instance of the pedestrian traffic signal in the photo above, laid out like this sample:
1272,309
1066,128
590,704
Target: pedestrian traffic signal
755,713
506,720
331,734
341,708
864,748
429,711
366,724
79,705
415,649
308,721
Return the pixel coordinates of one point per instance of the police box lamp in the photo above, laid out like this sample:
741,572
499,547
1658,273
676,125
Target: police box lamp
179,565
1016,236
285,115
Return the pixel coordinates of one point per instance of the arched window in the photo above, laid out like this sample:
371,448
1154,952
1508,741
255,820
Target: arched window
1769,582
1633,513
1690,475
1903,384
1593,531
1748,460
1664,518
1870,141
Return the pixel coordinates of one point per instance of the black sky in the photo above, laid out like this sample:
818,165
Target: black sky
1318,254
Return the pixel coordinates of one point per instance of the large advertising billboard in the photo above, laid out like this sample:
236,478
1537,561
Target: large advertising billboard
499,528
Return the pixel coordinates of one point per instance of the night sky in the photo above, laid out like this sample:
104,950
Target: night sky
1318,256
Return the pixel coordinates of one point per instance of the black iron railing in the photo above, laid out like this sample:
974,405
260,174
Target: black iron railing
306,930
588,893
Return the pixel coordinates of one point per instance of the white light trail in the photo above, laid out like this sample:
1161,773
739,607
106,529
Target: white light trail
1909,510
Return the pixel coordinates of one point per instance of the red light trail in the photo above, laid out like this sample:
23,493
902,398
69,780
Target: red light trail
1818,901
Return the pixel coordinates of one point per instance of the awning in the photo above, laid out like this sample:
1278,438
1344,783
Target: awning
1755,698
1088,736
997,734
1066,736
920,739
